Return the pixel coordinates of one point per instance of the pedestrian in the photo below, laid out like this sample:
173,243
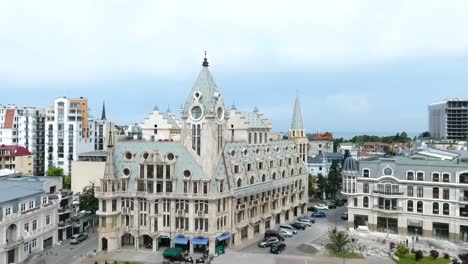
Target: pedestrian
406,242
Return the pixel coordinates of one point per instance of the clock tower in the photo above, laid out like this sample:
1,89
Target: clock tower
204,121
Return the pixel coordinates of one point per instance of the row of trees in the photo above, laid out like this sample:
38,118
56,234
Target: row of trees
329,185
87,200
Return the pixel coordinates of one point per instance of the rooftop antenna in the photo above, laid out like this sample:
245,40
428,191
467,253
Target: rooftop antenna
205,61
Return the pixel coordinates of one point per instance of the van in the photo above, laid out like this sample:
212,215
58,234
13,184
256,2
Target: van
289,227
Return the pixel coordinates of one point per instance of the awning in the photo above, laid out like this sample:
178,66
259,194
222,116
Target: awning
180,240
223,237
200,241
172,252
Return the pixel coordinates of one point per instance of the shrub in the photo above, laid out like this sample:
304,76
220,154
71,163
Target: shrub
401,250
434,254
392,245
418,255
446,256
463,257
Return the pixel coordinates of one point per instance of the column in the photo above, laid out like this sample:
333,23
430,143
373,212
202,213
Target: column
137,243
190,247
281,218
211,246
155,243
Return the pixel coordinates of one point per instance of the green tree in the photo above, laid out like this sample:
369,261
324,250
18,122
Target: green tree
338,241
88,201
322,184
57,171
334,179
311,188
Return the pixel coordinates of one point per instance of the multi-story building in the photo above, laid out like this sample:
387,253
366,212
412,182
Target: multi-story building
449,119
24,127
28,218
69,131
160,126
89,168
16,158
222,184
409,196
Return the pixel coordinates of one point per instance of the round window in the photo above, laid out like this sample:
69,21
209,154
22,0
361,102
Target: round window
268,150
245,152
126,171
220,113
197,95
146,155
257,151
388,171
233,153
196,112
170,156
128,156
187,173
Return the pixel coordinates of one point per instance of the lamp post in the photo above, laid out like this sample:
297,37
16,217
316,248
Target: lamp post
412,238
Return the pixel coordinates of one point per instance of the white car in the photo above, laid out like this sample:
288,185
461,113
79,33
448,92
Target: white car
321,207
304,221
285,233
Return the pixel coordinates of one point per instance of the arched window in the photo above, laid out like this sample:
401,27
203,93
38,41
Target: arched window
252,180
261,138
365,202
410,176
239,183
266,138
292,172
273,176
446,209
420,206
250,138
283,174
420,176
446,177
255,138
263,178
410,206
435,177
435,208
366,187
435,193
300,170
354,187
365,173
355,202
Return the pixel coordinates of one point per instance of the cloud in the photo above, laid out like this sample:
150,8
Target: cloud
59,41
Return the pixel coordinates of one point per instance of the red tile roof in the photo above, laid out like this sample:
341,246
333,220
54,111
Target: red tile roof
15,150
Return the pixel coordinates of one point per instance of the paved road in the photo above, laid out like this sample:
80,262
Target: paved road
317,230
67,253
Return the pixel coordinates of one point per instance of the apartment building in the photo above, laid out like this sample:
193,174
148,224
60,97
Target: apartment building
24,127
28,218
16,158
222,184
449,119
409,196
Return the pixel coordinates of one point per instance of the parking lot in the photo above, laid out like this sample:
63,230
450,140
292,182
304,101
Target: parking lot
297,245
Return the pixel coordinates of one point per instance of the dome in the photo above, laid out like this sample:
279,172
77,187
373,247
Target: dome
350,165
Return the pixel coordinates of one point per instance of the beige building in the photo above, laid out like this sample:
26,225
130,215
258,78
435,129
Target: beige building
16,158
88,169
224,183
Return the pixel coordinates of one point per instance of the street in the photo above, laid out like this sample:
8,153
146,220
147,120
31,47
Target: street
67,253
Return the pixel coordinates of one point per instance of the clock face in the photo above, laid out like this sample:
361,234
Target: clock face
197,112
219,113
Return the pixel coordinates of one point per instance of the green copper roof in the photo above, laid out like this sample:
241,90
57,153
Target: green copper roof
207,86
297,116
255,119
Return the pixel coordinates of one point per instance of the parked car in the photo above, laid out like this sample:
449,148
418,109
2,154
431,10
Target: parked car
299,225
75,239
268,242
285,233
289,227
311,218
305,221
344,200
339,203
278,248
321,207
311,209
319,214
332,206
274,233
344,216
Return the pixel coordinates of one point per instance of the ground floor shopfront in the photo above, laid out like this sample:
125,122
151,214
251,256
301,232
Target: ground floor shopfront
437,227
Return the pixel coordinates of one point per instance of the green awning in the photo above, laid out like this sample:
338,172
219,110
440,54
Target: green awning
172,252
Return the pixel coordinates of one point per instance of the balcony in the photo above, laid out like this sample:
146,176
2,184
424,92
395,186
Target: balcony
463,199
392,193
255,219
240,206
64,210
64,224
388,209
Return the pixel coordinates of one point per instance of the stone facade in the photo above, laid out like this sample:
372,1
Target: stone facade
222,184
408,196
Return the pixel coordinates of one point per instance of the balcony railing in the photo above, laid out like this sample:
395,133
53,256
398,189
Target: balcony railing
388,193
388,208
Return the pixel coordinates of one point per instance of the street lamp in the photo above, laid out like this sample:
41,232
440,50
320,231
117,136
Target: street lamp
412,238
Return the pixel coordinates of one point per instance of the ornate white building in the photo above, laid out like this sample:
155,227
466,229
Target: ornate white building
223,183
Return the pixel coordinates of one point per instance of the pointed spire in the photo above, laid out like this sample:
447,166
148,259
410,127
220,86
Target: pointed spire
109,171
233,106
297,116
103,114
156,108
255,109
205,61
168,109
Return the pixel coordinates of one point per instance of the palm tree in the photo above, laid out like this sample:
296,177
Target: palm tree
338,241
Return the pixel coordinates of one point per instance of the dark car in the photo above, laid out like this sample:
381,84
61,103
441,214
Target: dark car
299,225
339,203
273,233
344,216
344,200
268,242
311,209
278,248
319,214
332,206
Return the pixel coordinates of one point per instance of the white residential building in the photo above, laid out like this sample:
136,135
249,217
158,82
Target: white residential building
28,218
160,126
449,119
24,127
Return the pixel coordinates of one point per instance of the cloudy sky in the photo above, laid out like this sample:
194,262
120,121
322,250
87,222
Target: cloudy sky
358,66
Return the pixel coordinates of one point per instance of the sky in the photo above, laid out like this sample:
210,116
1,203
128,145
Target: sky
358,66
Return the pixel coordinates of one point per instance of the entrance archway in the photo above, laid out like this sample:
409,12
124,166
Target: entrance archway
128,240
104,244
146,241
